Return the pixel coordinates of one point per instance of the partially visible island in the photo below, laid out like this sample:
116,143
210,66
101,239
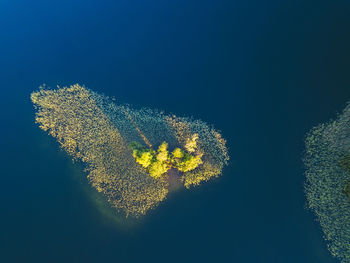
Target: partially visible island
125,150
327,187
345,164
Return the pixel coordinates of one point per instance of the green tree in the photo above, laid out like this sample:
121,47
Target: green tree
145,159
143,156
177,153
158,163
189,162
162,153
157,169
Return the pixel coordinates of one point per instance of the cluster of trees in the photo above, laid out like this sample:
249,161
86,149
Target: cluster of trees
159,162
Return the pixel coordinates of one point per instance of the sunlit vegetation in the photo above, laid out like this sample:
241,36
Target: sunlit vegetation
327,187
115,142
160,161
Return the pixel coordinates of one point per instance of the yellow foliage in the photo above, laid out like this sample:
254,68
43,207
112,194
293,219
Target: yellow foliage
145,159
189,163
162,153
203,173
191,143
157,169
178,153
209,143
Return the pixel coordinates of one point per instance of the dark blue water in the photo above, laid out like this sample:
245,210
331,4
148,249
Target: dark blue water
263,72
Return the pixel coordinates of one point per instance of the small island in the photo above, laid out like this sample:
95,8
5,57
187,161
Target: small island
327,186
134,157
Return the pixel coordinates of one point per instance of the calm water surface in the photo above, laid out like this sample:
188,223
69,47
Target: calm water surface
262,72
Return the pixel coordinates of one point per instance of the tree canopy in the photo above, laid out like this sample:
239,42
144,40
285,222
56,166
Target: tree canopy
159,162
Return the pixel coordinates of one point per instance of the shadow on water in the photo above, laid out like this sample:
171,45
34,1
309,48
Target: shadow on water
102,212
96,204
107,215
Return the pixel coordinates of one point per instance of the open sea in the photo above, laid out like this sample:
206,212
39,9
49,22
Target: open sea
262,72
